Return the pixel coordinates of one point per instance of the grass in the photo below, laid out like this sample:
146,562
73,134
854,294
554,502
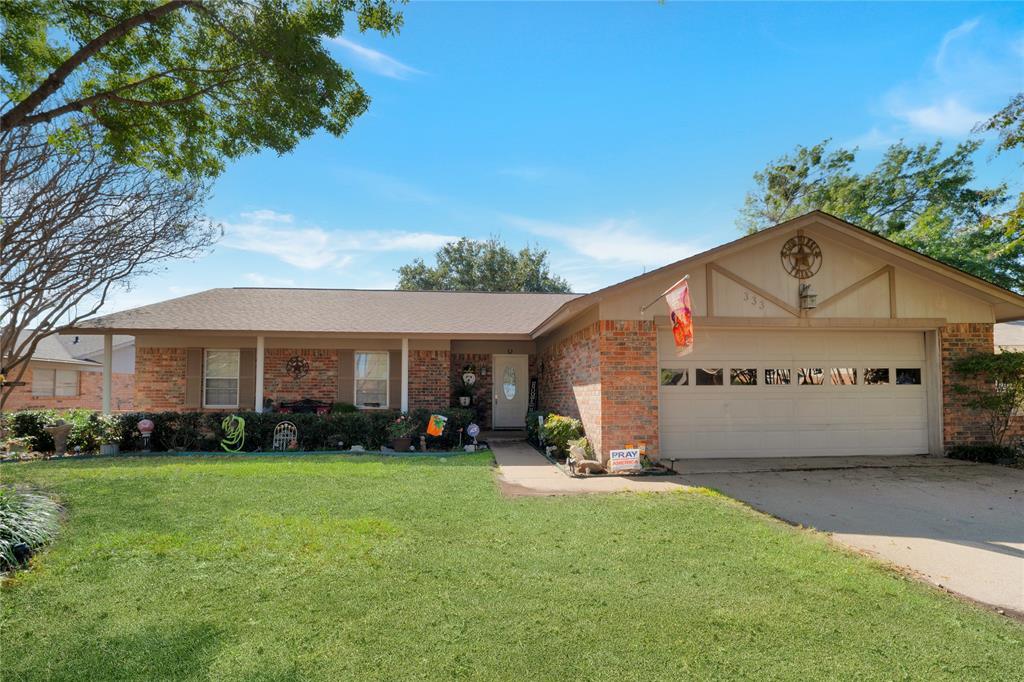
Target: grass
344,567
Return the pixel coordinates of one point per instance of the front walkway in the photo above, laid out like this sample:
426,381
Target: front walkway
524,471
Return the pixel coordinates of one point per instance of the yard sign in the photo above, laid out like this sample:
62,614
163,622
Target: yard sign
624,460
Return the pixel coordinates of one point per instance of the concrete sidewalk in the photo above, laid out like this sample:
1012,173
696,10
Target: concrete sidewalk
524,471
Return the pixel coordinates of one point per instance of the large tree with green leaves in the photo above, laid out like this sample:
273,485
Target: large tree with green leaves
183,85
922,197
482,265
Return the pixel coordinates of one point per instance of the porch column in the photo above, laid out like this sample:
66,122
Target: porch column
108,369
405,375
259,373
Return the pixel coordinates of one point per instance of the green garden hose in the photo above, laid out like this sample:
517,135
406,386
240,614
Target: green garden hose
234,433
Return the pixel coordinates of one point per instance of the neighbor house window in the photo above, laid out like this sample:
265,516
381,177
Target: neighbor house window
220,378
371,379
47,383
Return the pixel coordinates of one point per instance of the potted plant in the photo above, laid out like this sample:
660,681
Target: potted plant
401,432
109,432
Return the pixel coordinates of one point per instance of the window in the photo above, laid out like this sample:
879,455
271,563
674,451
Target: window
908,375
876,376
810,376
675,377
371,379
743,377
777,377
220,378
709,377
47,383
844,376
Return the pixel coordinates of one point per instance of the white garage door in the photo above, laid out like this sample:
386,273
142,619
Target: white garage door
794,393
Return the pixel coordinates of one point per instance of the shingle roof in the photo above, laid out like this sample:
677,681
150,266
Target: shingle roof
339,311
70,347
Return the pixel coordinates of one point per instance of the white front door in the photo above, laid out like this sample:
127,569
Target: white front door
511,388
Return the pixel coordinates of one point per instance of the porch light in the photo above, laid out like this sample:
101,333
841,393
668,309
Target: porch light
808,299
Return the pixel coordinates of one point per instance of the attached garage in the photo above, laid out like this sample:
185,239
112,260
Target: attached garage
795,393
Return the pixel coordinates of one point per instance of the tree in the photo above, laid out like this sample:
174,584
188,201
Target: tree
476,265
182,85
74,223
1008,122
919,197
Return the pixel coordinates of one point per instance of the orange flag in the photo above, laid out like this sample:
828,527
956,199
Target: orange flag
435,427
678,299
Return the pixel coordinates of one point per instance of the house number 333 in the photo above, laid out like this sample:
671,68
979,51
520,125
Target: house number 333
754,300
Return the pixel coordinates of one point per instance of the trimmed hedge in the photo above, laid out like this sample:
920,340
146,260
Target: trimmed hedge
986,454
202,432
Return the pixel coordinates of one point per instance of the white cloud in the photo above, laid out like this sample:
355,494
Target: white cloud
312,247
261,280
960,31
609,240
948,117
374,60
974,70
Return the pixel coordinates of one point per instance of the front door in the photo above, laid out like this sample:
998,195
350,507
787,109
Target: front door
511,391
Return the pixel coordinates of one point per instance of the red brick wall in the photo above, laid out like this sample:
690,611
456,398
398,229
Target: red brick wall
90,394
570,381
429,379
961,425
159,379
629,384
321,383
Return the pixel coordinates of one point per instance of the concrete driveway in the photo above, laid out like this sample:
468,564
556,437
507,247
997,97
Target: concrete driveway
955,524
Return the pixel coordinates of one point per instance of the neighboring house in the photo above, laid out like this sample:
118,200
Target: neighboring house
1010,336
66,371
865,372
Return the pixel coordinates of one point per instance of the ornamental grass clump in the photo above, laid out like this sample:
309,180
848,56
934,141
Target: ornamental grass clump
27,522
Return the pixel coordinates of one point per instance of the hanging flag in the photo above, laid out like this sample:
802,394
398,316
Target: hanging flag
435,427
678,299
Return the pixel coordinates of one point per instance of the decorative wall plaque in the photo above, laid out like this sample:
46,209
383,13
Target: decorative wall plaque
297,367
801,256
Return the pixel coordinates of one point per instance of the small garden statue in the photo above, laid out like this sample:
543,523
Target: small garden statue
59,430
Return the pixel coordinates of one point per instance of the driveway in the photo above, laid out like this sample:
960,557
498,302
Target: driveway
955,524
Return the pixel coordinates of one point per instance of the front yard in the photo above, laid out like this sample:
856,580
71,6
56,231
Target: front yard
340,567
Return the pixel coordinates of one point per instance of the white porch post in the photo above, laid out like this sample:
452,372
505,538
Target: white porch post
405,375
108,370
259,373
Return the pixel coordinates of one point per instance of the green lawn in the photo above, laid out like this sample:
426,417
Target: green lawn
340,567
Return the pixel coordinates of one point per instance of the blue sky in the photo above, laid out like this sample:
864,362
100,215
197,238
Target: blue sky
620,136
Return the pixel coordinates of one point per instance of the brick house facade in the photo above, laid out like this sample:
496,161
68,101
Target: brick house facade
90,392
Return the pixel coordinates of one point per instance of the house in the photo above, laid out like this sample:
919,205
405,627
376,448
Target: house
813,337
66,371
1010,336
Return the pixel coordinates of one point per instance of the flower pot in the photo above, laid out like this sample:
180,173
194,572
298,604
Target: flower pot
464,400
401,444
109,449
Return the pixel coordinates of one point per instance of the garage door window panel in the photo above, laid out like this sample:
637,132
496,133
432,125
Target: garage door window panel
876,376
743,377
844,376
672,376
810,376
778,377
908,376
708,376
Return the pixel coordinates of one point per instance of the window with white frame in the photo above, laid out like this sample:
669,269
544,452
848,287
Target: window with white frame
220,378
47,383
371,374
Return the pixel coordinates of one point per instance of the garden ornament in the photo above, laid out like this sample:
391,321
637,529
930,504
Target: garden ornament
59,431
145,427
285,436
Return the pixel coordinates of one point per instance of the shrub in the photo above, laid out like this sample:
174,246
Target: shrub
995,388
88,428
584,444
986,454
458,418
533,426
559,430
343,408
27,522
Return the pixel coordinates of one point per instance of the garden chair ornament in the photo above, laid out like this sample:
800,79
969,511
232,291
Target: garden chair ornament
285,436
